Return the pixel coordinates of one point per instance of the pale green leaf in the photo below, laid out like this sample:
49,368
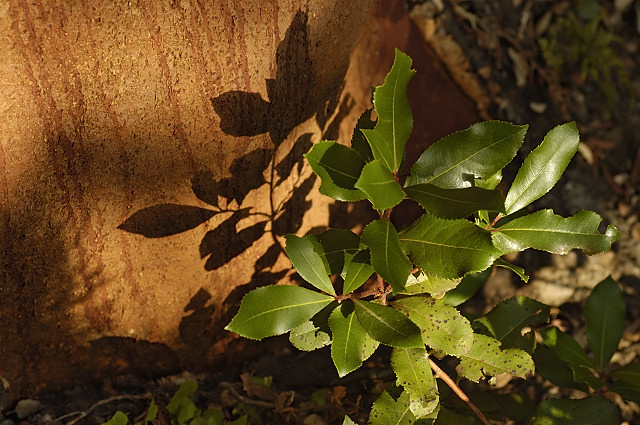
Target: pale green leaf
486,358
568,349
358,141
358,271
338,168
351,345
388,411
388,326
274,310
467,287
448,248
313,333
387,257
381,188
348,421
413,373
308,263
480,151
501,262
441,326
455,203
420,283
395,122
604,318
119,418
336,247
186,389
586,411
543,167
545,231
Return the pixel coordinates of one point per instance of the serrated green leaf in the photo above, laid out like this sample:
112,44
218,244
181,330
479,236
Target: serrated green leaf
555,370
413,373
308,263
448,248
387,411
506,321
387,257
441,326
358,141
336,247
543,167
420,283
274,310
477,152
338,168
486,358
455,203
348,421
568,349
351,345
501,262
358,271
545,231
591,411
395,121
604,318
381,188
388,326
468,286
313,333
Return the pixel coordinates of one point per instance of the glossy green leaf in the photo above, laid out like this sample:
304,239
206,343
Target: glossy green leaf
313,333
545,231
413,373
388,411
455,203
468,286
477,152
358,141
555,370
380,186
387,257
506,321
543,167
274,310
501,262
336,247
591,411
448,248
388,326
604,317
338,168
420,283
308,263
489,183
351,345
358,271
568,349
441,326
486,358
395,121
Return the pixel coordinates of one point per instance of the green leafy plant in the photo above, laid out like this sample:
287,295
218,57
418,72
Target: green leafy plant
400,287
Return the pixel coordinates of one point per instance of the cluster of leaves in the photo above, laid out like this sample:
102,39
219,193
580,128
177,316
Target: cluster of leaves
400,288
182,411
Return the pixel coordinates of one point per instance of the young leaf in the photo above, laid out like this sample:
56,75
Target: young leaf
387,257
348,421
308,263
545,231
351,345
338,168
388,326
543,167
358,271
468,286
486,358
420,283
477,152
591,410
380,186
395,122
186,389
119,418
413,373
570,351
455,203
506,321
336,248
387,411
274,310
501,262
604,317
358,141
442,327
448,248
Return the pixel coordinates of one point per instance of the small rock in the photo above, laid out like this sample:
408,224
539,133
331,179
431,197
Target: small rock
635,231
27,407
314,419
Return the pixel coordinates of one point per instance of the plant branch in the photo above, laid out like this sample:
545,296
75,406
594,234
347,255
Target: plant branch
84,414
456,389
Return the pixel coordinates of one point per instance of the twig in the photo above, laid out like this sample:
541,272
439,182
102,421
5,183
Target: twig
84,414
244,399
456,389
